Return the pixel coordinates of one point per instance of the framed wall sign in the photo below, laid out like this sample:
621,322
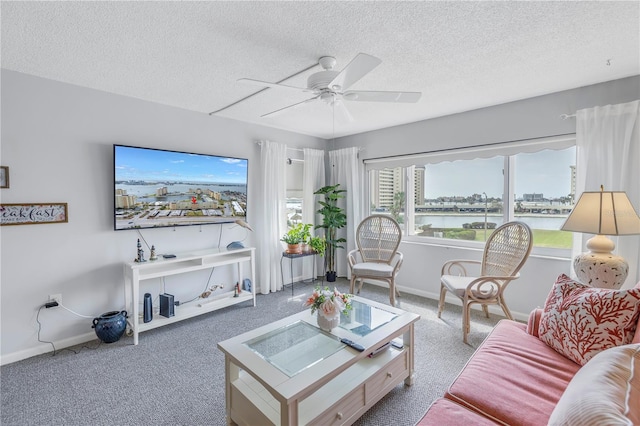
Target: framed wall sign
28,214
4,177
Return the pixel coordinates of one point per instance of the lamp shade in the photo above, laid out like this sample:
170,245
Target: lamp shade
603,213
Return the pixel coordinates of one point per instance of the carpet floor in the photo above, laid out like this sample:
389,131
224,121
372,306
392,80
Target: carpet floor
175,375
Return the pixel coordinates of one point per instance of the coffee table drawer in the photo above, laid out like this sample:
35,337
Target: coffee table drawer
343,410
390,375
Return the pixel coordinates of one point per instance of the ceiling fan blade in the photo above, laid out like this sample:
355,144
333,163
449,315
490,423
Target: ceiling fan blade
359,66
272,85
374,96
343,111
289,106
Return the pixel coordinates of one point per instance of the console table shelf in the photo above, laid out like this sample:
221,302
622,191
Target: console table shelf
185,262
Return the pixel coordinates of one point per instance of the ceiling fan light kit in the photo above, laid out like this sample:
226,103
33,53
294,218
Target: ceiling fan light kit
330,86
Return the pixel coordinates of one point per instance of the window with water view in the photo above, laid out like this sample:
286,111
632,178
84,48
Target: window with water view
465,199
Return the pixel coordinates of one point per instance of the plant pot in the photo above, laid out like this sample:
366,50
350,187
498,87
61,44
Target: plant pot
328,324
331,276
110,326
294,248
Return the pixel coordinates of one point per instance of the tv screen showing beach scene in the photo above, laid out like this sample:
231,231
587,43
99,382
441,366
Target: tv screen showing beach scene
156,188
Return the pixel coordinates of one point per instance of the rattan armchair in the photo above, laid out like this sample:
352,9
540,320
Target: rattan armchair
505,251
377,256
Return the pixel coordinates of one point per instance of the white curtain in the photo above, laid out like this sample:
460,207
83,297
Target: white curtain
608,153
345,170
313,178
272,222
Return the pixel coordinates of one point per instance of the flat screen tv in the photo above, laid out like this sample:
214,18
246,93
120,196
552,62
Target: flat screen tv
156,188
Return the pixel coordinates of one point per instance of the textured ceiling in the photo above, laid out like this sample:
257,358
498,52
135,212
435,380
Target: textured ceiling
460,55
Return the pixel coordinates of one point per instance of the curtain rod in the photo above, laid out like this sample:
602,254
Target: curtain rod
259,143
360,149
567,116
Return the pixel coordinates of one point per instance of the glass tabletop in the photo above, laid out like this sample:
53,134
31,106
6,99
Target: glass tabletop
363,318
300,345
295,347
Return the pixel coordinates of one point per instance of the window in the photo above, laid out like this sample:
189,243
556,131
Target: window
545,193
295,171
459,196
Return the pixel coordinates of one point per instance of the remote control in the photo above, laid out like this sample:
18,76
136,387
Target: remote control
353,344
168,256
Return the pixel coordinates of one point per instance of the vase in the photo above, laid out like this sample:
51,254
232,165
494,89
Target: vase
110,326
331,276
328,324
294,249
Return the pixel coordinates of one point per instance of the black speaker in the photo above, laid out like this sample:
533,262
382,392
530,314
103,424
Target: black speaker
147,308
167,308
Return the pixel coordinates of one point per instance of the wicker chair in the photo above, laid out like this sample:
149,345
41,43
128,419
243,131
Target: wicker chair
377,256
506,250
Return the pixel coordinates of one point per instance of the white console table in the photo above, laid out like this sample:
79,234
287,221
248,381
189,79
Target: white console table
135,272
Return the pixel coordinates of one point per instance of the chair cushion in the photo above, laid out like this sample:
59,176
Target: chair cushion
579,321
373,269
458,284
606,391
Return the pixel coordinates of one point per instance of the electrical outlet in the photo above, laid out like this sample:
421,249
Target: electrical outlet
56,298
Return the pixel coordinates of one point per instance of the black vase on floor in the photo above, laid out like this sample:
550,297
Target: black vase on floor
110,326
331,276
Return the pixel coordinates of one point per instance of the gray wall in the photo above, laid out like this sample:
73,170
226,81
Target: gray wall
57,141
525,119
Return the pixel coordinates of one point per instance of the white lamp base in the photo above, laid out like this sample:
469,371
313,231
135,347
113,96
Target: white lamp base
603,270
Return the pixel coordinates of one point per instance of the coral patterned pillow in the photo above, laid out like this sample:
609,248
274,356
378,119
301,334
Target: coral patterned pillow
579,321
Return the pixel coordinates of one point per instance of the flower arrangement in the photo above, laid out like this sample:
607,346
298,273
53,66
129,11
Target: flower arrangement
329,303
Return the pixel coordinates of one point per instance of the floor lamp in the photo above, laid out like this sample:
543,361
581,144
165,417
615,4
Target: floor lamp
602,213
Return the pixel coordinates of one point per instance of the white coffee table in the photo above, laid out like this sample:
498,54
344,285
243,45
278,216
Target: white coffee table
290,372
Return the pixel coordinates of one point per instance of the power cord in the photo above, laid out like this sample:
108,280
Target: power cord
206,287
56,351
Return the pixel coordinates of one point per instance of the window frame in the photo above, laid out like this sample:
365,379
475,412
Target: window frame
507,150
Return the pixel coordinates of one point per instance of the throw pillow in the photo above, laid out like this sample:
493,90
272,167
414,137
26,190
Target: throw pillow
579,321
606,391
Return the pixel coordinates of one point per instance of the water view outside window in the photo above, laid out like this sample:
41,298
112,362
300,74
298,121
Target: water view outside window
464,199
545,194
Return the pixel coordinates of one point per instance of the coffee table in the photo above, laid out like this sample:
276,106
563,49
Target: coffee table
290,372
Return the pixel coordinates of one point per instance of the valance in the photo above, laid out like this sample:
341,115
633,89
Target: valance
469,153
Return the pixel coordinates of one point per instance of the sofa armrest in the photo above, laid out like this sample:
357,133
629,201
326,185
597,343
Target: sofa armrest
534,322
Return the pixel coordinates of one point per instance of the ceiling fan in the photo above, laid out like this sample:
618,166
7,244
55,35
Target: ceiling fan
331,86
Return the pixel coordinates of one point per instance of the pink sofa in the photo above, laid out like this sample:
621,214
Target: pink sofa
514,378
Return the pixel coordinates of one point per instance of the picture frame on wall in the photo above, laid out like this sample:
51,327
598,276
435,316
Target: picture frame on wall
4,177
30,214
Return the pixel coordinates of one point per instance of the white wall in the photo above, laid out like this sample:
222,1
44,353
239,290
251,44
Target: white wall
57,141
525,119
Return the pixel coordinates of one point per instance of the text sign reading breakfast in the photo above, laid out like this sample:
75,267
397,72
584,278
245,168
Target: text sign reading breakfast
25,214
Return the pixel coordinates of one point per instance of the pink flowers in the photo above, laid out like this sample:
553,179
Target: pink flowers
329,303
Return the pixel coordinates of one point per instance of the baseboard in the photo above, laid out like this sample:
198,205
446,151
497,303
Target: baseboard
46,347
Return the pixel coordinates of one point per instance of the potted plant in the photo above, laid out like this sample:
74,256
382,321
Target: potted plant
293,238
333,218
305,234
318,245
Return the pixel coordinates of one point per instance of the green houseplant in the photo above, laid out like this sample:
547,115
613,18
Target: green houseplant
333,218
318,245
294,238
